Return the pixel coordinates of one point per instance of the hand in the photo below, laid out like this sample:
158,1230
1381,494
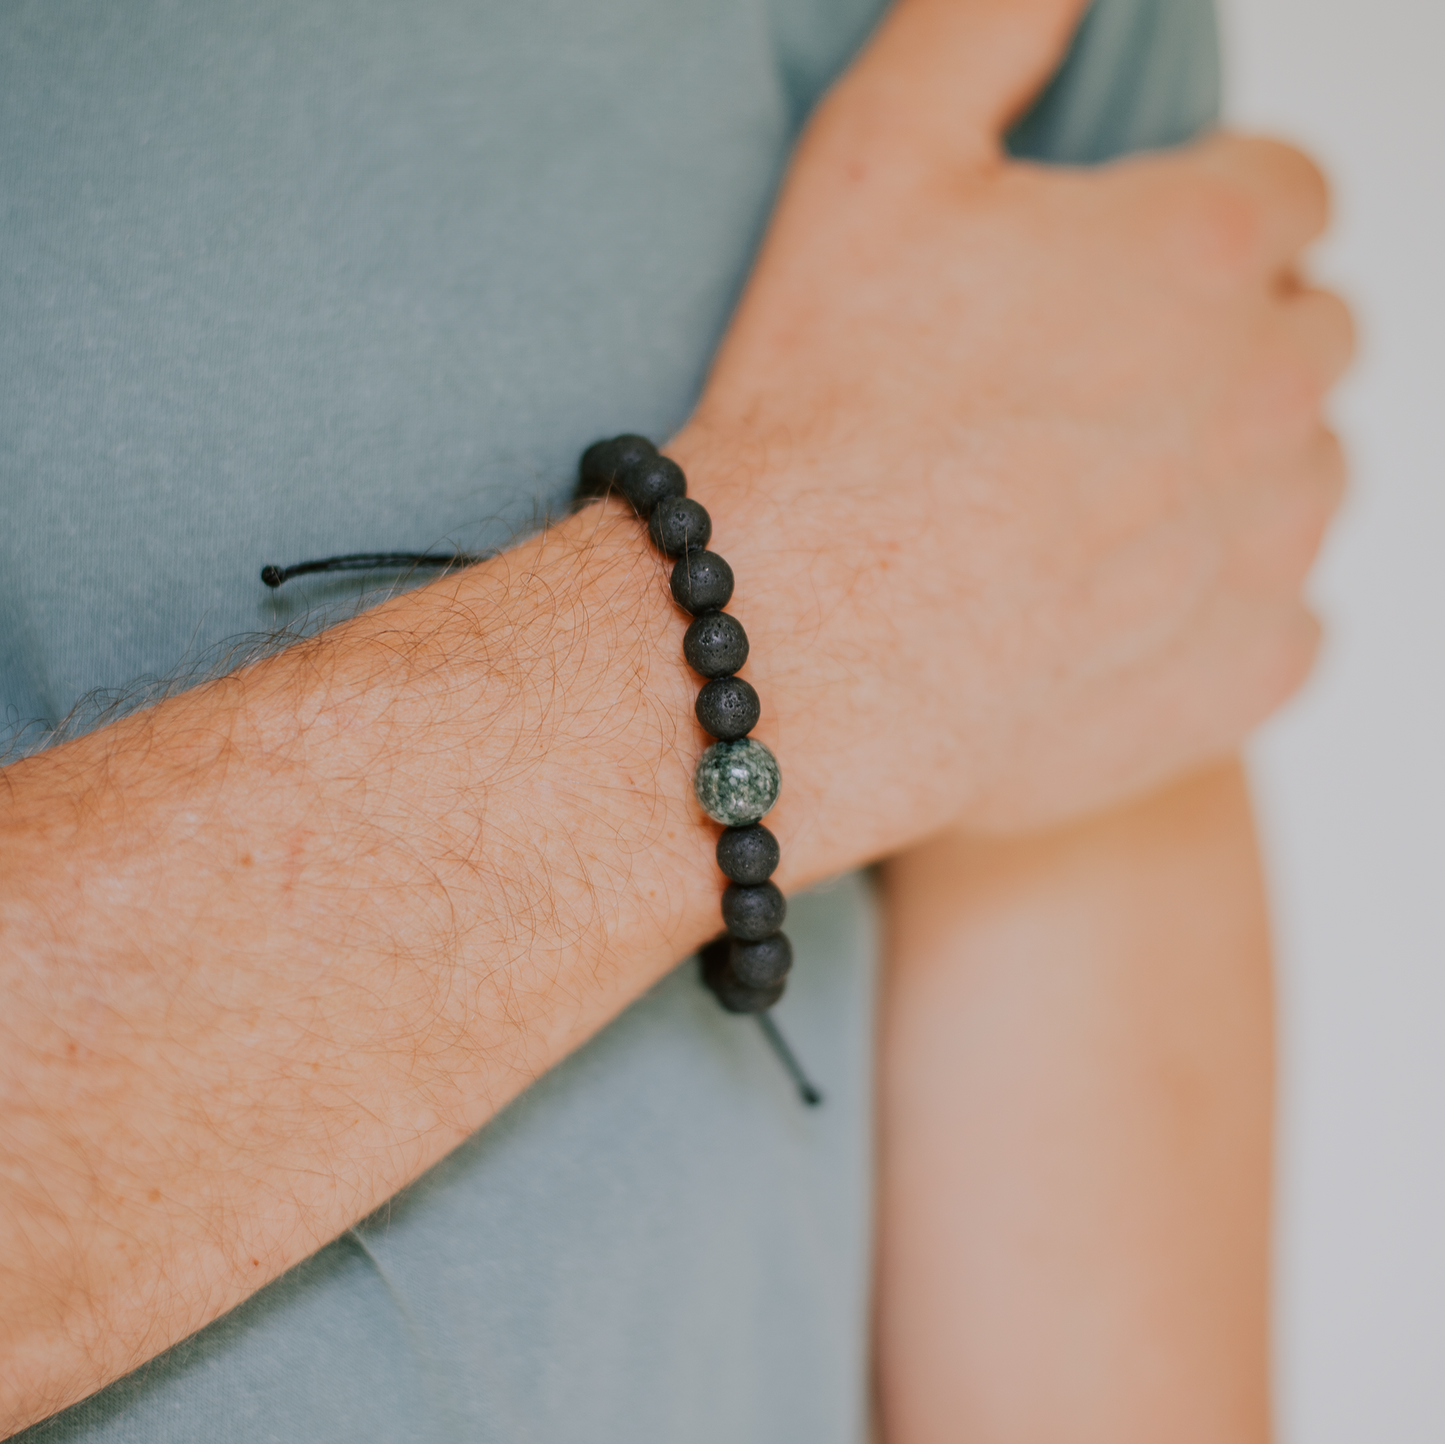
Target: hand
1021,469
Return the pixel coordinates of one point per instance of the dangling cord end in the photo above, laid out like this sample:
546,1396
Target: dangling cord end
273,576
806,1091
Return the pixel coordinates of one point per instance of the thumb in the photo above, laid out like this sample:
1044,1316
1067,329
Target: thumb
945,78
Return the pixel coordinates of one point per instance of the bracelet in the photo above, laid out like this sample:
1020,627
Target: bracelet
737,779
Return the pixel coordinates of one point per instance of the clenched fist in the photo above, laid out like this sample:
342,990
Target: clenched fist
1021,469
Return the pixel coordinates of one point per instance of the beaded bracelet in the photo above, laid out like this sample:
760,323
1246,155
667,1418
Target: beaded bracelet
737,779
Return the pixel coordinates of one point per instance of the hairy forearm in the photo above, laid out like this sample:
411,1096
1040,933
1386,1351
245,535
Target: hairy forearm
273,947
1076,1115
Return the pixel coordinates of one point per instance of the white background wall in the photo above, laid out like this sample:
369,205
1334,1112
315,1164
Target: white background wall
1352,778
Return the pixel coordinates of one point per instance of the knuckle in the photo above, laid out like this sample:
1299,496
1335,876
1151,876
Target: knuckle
1256,197
1332,468
1339,324
1279,401
1280,534
1289,396
1220,227
1302,535
1297,180
1287,661
1288,176
1340,319
1325,330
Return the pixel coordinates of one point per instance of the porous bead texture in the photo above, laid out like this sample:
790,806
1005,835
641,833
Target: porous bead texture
748,855
728,708
649,480
679,524
753,913
735,995
603,461
761,964
737,782
715,645
702,582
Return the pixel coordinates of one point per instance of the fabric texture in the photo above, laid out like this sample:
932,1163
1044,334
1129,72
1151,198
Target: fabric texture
281,280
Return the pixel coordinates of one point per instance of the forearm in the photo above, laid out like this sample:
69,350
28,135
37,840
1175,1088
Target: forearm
272,948
1076,1118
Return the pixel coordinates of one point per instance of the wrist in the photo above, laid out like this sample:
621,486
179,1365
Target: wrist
872,761
580,854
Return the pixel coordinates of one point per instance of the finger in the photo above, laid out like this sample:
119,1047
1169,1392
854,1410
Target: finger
1279,390
1321,330
1331,471
1283,518
1269,198
1242,661
1274,654
945,77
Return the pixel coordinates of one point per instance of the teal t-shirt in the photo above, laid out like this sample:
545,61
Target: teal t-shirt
292,278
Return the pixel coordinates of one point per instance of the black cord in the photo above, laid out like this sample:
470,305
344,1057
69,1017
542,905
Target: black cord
806,1091
372,561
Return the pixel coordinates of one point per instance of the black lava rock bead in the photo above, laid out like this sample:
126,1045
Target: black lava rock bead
679,524
715,645
702,582
728,708
649,480
603,461
763,964
748,855
753,913
735,995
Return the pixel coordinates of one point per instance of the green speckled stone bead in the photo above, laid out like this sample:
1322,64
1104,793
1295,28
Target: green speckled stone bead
737,782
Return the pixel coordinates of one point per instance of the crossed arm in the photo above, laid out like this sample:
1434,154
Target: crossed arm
1076,1116
1009,551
